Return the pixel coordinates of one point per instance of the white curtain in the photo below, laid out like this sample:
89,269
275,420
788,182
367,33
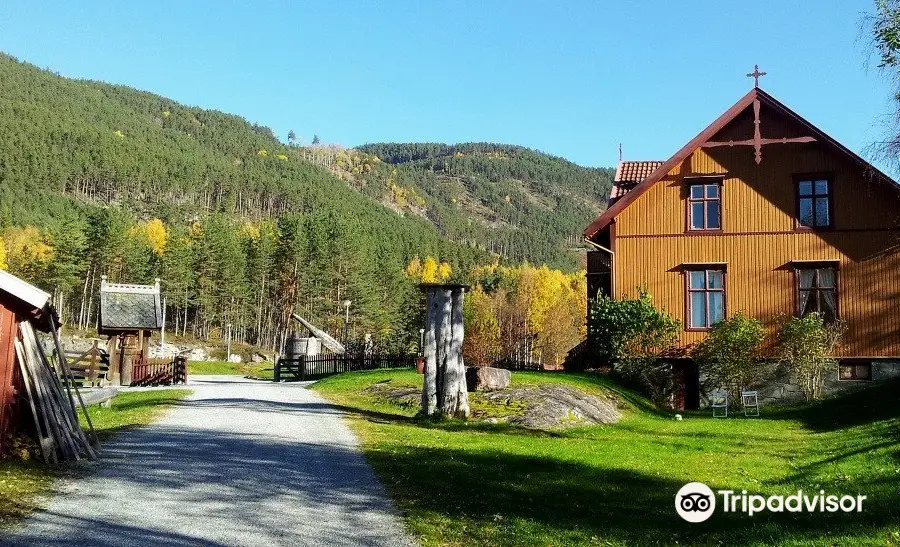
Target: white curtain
826,279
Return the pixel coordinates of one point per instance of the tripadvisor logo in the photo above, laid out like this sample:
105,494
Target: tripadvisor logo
696,502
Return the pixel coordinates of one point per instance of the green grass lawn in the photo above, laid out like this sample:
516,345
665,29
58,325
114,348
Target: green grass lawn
464,483
22,483
262,371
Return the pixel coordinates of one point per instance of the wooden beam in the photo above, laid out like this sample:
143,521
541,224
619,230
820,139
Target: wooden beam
753,142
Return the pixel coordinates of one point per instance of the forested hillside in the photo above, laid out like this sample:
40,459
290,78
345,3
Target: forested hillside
103,180
509,200
97,179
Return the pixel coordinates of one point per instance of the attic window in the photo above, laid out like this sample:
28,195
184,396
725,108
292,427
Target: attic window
814,199
705,205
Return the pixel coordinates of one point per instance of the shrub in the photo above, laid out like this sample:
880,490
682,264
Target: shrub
631,334
629,328
730,358
805,346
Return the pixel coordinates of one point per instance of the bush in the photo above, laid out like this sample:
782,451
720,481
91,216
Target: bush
730,358
631,334
629,328
806,345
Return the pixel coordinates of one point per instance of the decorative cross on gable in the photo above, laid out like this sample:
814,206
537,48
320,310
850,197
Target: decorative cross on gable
757,141
755,75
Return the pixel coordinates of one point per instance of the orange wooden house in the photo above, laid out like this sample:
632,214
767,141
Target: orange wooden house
764,213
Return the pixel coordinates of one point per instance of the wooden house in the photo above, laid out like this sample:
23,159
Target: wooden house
764,213
128,315
19,301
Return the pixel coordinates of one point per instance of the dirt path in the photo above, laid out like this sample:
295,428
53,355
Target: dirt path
239,463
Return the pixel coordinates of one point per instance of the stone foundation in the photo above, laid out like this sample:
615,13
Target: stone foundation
783,389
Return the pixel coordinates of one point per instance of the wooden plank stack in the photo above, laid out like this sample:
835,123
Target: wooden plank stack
50,399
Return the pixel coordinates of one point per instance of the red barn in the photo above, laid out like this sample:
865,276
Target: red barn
19,301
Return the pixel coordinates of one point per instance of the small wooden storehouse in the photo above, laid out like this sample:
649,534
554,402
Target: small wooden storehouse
128,315
19,301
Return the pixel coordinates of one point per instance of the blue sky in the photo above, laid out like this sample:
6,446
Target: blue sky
570,78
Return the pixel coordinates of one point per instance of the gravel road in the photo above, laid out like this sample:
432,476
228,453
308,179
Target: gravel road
238,463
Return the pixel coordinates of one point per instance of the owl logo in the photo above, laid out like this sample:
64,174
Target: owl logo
695,502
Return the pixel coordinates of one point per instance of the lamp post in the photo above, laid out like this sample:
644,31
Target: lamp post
421,341
228,343
347,319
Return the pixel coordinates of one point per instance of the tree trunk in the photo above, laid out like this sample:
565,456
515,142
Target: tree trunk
444,386
433,310
456,394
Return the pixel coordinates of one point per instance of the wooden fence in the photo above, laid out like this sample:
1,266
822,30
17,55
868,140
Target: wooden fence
156,372
312,368
89,368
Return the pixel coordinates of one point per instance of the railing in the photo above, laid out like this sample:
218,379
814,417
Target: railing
156,373
319,366
89,368
518,364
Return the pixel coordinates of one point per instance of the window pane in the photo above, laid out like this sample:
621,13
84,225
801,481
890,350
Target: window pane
698,280
806,304
846,372
712,215
828,305
822,212
696,191
863,372
806,212
822,187
826,278
715,279
697,215
805,188
716,306
698,310
712,190
806,278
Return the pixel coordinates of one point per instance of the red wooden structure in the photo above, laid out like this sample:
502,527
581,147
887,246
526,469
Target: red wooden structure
18,302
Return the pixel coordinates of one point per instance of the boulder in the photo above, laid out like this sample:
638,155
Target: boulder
198,354
164,351
486,378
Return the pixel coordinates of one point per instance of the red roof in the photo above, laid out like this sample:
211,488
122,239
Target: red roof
745,102
628,175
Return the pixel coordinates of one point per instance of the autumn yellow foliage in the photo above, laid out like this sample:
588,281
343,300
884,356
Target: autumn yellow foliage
429,270
157,235
27,253
539,313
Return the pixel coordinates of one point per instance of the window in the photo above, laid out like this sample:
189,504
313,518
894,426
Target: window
855,370
814,203
817,290
705,206
706,298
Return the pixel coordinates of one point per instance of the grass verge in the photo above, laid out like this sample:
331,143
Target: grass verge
23,483
463,483
260,371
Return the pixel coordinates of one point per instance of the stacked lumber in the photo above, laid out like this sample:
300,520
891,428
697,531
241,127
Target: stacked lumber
50,398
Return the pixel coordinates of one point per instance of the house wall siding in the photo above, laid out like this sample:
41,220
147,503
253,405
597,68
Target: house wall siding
9,377
759,240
